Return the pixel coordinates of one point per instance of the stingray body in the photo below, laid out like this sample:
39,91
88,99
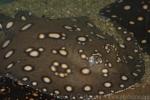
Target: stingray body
68,57
134,15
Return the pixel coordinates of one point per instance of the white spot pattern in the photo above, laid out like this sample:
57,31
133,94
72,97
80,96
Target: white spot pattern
9,24
9,54
6,43
25,27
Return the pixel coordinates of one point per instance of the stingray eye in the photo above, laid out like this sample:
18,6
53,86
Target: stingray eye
95,59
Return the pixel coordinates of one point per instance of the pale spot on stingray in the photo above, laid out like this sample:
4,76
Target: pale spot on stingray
51,94
131,22
54,51
144,41
82,39
9,54
54,35
119,28
25,78
113,16
44,89
135,74
107,84
127,7
80,51
81,97
140,18
2,89
29,49
25,27
9,24
118,59
83,56
148,30
41,36
56,63
62,75
68,27
69,88
34,53
53,68
122,85
109,64
41,49
34,83
73,98
105,75
128,38
64,66
66,97
107,48
23,18
56,92
87,88
46,79
125,32
60,69
101,92
85,71
63,52
124,78
1,27
105,70
122,46
5,44
130,57
35,94
136,51
10,65
138,70
145,7
112,91
28,68
78,29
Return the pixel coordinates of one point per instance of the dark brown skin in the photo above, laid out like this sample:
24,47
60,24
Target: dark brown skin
134,15
63,56
12,90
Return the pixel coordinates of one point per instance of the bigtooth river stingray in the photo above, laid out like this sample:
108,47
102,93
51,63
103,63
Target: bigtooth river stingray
134,15
68,56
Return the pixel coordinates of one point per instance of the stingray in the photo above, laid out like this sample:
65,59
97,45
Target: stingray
68,57
134,15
